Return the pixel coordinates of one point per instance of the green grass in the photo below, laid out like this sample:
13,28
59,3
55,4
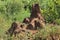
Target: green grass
11,9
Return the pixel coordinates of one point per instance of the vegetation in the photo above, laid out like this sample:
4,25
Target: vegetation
17,10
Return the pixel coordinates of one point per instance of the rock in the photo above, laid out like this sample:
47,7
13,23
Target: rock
35,20
26,20
16,27
30,23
